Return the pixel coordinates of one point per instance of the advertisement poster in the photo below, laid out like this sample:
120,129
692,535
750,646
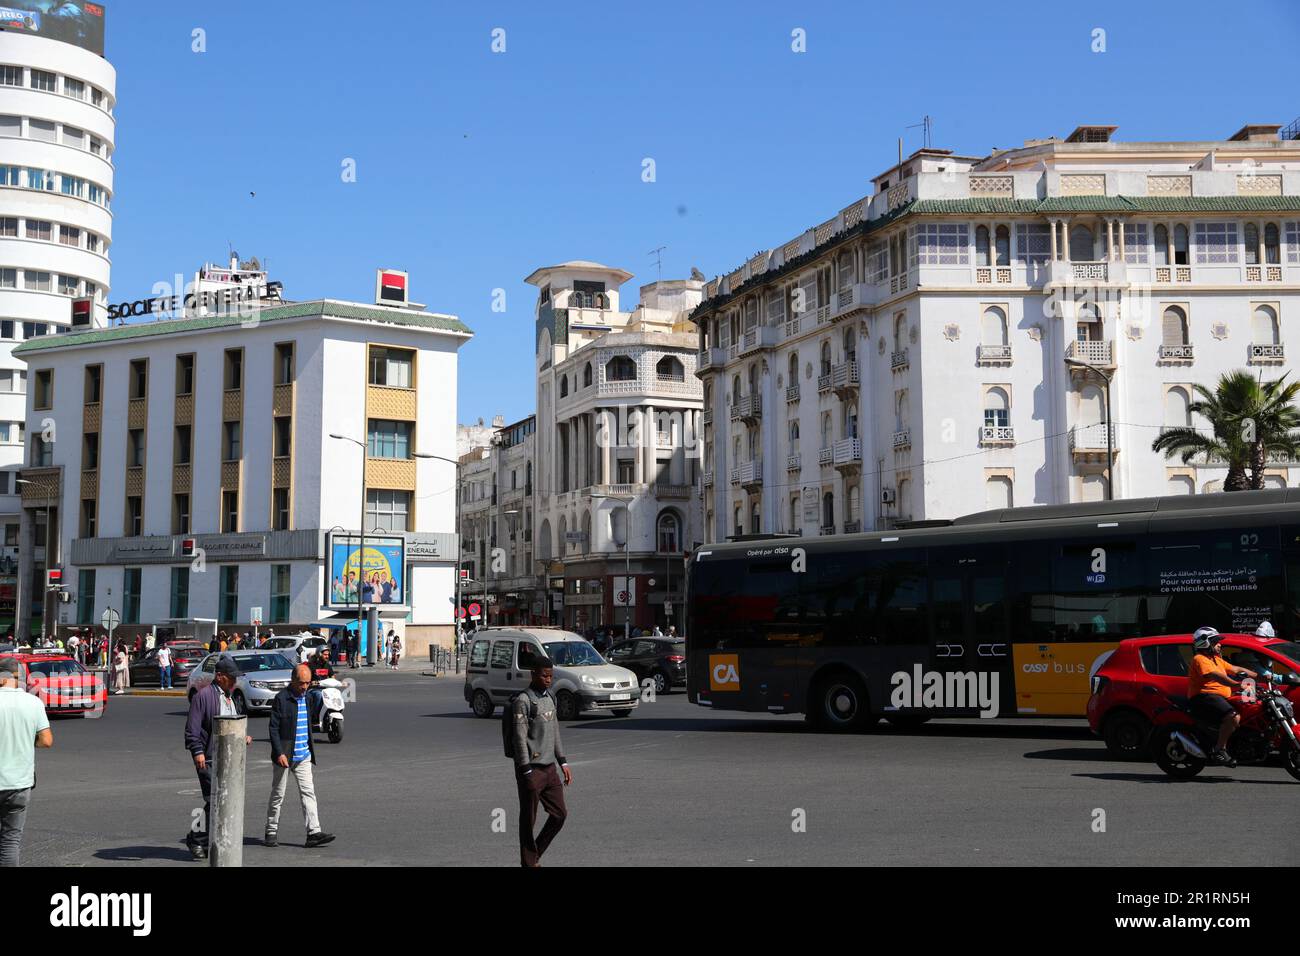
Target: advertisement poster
381,575
78,22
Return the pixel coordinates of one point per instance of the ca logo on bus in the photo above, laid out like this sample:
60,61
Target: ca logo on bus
724,672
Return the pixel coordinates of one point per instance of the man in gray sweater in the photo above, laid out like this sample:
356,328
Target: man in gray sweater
537,752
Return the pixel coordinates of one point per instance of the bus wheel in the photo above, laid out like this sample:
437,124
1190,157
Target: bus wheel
841,703
1126,736
907,721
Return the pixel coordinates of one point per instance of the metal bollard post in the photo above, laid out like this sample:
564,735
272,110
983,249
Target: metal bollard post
226,841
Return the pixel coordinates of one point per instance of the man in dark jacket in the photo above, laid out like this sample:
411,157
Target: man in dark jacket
538,751
294,712
209,702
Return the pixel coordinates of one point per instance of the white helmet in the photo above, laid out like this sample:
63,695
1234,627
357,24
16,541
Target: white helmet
1265,630
1205,638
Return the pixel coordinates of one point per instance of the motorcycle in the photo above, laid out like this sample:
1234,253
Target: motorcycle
1182,745
330,720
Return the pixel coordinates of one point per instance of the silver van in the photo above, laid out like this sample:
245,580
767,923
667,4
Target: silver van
500,666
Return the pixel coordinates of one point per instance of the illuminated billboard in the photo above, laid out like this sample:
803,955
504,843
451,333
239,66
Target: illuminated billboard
381,575
78,22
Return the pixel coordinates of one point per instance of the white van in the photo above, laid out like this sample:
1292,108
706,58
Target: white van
500,666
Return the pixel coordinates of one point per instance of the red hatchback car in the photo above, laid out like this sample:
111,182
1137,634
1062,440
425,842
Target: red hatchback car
62,684
1119,710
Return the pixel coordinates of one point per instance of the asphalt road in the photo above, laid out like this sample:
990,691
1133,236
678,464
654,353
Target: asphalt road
418,780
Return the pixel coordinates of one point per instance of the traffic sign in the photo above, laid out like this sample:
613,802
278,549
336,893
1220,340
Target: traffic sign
460,612
474,610
255,616
110,619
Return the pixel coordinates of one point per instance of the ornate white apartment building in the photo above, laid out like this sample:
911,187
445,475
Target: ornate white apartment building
947,344
618,408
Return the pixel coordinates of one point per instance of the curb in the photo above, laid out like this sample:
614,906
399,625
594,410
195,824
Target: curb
152,693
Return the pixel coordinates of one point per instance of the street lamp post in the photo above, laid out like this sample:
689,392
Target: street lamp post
361,552
45,590
1110,444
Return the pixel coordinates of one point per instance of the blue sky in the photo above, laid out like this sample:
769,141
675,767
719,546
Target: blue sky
474,168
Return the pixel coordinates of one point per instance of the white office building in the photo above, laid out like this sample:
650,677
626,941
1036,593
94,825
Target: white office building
946,344
56,184
216,430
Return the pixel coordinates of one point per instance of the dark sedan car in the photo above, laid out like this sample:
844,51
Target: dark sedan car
185,657
662,659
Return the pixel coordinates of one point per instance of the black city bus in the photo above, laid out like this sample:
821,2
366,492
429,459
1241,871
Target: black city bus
1037,596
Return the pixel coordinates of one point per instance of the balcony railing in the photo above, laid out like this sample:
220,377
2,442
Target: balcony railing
844,377
1090,271
794,463
665,490
1091,438
1267,354
706,478
748,408
706,417
903,438
826,529
760,337
997,435
852,527
898,360
824,382
1176,353
994,355
1091,352
825,455
792,393
847,451
747,473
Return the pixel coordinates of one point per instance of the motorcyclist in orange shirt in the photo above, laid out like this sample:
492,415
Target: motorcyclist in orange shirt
1210,681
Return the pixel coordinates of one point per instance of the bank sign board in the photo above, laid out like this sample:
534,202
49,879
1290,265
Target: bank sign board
380,572
78,22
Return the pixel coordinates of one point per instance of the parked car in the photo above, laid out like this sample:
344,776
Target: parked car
500,666
262,675
185,657
660,659
1121,707
62,684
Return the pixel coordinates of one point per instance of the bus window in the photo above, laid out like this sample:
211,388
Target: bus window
898,583
1228,579
1097,590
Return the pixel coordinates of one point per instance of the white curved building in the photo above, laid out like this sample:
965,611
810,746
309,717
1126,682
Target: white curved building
56,183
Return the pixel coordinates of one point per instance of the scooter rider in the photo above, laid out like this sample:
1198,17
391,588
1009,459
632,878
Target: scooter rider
1211,680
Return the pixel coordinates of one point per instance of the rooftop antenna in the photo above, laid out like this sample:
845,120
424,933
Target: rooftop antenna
926,125
659,260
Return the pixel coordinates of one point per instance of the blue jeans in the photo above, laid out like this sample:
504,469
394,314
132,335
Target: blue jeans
165,677
13,815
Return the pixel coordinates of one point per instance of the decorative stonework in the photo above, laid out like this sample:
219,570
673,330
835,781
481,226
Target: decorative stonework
1134,332
758,264
880,347
1252,184
912,335
808,371
951,332
992,186
780,380
1036,333
1083,184
853,214
790,250
984,276
1219,330
896,196
823,232
1169,185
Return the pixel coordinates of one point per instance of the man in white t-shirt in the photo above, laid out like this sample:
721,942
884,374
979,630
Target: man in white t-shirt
23,728
165,667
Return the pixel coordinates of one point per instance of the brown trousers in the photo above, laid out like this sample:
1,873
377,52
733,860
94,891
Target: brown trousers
542,786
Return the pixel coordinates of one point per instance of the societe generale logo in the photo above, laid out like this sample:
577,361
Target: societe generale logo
724,672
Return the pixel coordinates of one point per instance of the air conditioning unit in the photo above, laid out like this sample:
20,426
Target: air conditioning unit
886,496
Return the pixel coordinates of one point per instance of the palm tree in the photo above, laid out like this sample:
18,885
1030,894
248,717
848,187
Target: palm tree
1249,421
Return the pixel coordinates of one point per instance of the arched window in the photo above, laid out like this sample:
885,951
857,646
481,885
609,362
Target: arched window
997,408
755,526
900,332
668,533
1180,246
828,510
845,270
1092,406
1162,245
1176,411
1264,326
585,544
563,539
997,492
753,379
620,369
826,430
855,503
564,385
735,449
994,326
850,420
794,434
1081,244
1180,485
794,514
794,369
826,358
902,411
1272,254
1173,327
850,345
586,376
905,498
981,245
528,479
670,369
601,300
1002,246
738,525
1252,244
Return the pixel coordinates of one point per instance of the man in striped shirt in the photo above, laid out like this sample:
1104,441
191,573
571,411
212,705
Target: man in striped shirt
293,713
